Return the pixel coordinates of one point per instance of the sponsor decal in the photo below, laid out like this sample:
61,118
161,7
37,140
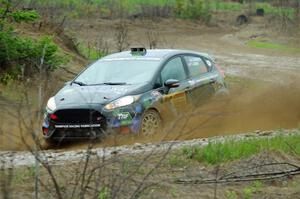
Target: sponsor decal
122,119
126,122
156,94
147,103
135,124
116,112
138,108
178,100
74,126
116,123
123,116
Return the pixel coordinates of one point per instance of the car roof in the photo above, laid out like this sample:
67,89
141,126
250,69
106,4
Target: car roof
152,54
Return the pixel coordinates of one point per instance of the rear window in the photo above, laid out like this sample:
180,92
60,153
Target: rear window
196,65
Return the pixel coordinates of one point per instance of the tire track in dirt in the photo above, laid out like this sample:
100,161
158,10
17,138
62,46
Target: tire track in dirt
280,70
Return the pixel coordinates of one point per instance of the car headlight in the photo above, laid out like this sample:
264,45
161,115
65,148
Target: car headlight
51,105
123,101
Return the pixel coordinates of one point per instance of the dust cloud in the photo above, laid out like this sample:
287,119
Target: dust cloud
266,106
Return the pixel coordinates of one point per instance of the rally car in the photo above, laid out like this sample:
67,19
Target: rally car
134,91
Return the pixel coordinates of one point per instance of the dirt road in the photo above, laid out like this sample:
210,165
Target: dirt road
264,84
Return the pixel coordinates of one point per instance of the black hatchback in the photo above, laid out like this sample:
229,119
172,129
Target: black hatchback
131,92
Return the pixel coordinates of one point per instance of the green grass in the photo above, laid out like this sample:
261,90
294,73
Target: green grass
175,160
151,2
218,152
81,7
174,192
20,176
126,3
253,188
231,194
12,92
226,6
272,46
89,52
269,9
104,193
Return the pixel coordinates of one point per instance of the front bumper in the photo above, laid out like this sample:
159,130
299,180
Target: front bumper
86,123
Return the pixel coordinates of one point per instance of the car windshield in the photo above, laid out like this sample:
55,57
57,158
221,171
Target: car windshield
118,72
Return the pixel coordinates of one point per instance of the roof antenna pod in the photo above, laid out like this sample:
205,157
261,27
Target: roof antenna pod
139,51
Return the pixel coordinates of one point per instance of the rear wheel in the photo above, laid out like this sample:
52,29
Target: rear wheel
151,123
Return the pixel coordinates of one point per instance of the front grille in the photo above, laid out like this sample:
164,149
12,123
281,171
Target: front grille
78,116
78,133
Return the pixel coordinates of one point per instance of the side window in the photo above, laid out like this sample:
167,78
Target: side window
174,69
195,65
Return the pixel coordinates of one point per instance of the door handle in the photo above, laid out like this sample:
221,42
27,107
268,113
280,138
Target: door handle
212,80
188,89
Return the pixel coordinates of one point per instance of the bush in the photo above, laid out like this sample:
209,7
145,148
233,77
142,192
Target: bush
23,56
192,9
16,51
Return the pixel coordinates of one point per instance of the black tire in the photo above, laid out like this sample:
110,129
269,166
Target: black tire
151,123
241,19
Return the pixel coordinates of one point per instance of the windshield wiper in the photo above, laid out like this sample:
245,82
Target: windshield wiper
109,83
105,83
79,83
114,83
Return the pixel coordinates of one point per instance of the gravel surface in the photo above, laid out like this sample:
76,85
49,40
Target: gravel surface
16,159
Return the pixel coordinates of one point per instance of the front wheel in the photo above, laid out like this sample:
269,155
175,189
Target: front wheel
151,123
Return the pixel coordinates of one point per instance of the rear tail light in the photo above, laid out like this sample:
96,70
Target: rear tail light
53,117
45,131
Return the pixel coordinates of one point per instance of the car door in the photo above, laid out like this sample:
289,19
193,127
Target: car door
175,99
200,79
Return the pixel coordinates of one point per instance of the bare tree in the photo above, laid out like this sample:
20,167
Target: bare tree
152,36
297,13
102,46
121,35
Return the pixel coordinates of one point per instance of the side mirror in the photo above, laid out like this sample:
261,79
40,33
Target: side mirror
172,83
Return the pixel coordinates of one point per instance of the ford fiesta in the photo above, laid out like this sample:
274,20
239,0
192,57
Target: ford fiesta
131,92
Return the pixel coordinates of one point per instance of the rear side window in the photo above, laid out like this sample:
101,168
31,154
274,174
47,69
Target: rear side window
174,69
196,65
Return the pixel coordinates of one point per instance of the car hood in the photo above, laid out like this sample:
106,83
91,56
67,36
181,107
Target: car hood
75,95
